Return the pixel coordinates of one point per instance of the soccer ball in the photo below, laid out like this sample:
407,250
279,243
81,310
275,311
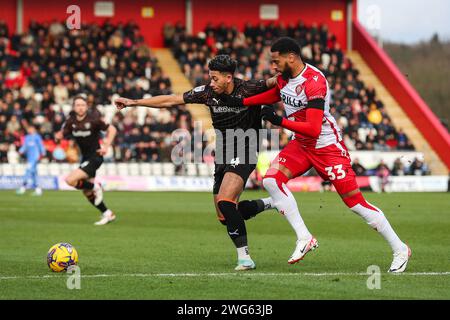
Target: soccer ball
61,256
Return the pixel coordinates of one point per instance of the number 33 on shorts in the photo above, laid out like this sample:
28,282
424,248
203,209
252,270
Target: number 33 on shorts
336,172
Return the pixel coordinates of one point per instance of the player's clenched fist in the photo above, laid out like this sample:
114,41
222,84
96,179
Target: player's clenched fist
122,103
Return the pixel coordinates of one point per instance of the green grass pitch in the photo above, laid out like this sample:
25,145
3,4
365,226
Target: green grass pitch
168,245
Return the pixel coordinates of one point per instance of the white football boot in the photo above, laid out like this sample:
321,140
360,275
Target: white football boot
244,265
400,260
107,217
302,248
98,192
21,191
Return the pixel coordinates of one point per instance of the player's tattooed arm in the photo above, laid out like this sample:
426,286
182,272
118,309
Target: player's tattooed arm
272,82
164,101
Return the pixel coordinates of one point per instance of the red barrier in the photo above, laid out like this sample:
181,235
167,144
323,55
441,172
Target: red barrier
408,98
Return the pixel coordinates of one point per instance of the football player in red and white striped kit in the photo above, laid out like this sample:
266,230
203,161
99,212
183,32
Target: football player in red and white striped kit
318,144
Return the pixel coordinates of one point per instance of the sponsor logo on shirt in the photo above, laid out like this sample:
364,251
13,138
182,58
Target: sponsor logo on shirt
81,133
225,109
297,103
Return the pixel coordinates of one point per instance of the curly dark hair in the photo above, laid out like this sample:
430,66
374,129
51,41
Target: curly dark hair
285,45
223,63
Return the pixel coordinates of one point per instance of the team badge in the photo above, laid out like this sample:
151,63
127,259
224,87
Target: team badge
87,125
299,89
235,162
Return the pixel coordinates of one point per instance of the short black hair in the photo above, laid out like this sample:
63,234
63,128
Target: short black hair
223,63
285,45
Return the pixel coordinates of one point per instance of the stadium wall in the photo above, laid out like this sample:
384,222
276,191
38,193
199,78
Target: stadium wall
408,98
151,27
233,12
8,14
240,12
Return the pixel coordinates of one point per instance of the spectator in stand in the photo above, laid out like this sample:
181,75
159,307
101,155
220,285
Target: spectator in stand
418,168
383,175
49,65
398,168
358,168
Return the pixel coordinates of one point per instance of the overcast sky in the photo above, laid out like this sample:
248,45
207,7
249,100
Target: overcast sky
406,21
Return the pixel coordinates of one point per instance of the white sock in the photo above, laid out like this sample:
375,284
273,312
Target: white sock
285,203
243,253
377,220
268,203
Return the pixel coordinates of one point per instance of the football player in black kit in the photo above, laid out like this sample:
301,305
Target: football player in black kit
85,126
235,159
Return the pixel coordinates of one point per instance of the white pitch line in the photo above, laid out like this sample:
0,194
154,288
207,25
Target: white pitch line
246,274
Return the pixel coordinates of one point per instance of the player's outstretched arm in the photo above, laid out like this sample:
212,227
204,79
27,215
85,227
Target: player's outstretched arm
164,101
267,97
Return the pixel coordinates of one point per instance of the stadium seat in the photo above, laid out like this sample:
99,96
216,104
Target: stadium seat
168,169
211,168
54,169
145,169
66,109
8,169
111,169
122,169
43,169
157,169
108,112
19,169
57,108
191,169
64,168
203,170
133,169
141,114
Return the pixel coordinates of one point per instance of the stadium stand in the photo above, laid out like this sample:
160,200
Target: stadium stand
361,115
42,69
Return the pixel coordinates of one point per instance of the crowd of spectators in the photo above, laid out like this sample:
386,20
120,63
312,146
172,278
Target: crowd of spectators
415,167
42,69
45,67
360,114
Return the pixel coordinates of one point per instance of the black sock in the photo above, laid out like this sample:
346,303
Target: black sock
235,223
250,208
84,185
101,207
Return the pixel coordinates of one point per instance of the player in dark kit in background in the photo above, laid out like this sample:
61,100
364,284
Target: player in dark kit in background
85,126
235,156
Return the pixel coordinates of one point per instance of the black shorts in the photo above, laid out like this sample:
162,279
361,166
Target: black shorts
91,164
242,170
